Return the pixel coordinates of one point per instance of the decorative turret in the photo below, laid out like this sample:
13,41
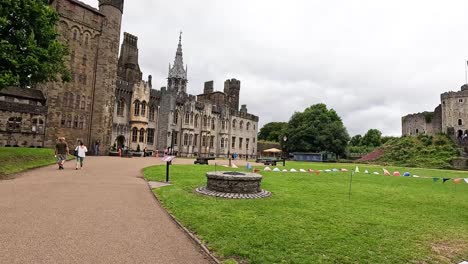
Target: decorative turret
119,4
128,68
177,78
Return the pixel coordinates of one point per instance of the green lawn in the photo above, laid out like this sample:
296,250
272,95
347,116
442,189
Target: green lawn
14,160
309,218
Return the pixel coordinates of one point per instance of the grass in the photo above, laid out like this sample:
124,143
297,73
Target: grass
14,160
309,218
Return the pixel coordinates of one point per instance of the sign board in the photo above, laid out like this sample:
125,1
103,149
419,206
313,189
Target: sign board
168,158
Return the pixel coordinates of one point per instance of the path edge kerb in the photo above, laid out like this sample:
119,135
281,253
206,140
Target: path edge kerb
187,232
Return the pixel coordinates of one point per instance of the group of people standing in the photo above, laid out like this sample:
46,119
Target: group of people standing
62,151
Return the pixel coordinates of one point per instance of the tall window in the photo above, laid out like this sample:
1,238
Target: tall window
65,99
247,143
143,108
176,117
176,134
240,143
213,124
196,120
212,141
62,121
120,107
203,141
191,118
137,108
78,101
187,118
134,134
71,97
83,102
205,122
185,139
460,122
150,136
233,143
234,123
75,122
222,142
81,124
69,120
223,124
151,113
142,135
248,126
195,140
190,142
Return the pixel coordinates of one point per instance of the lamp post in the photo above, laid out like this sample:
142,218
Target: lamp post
285,138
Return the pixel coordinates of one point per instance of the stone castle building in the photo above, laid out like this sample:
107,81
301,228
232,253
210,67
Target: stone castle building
108,102
449,117
210,123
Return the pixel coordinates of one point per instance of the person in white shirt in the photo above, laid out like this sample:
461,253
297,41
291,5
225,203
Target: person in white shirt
80,151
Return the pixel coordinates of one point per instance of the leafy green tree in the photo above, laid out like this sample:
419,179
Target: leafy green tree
317,129
356,140
373,138
30,51
273,131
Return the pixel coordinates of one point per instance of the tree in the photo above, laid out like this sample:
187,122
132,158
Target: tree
30,51
356,140
273,131
317,129
373,138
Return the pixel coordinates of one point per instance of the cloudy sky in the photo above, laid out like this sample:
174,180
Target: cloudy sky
371,61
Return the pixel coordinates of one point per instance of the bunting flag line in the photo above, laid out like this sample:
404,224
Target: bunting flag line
357,169
445,179
386,172
457,180
466,180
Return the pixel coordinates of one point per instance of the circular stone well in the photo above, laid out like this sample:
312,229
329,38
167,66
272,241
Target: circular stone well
234,185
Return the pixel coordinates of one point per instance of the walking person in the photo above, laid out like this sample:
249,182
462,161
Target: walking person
80,151
61,152
96,148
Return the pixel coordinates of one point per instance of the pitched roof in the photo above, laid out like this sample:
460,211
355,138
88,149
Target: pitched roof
26,93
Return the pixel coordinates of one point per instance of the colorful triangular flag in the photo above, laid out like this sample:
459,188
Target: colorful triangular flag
435,179
386,172
445,179
357,169
457,180
466,180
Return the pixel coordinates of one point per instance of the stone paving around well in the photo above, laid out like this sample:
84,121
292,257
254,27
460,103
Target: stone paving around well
104,213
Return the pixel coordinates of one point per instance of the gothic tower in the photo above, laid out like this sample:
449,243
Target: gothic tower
232,89
106,74
177,78
128,68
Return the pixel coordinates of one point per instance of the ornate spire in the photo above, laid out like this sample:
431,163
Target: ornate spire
177,70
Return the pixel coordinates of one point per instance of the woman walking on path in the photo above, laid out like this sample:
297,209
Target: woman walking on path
80,154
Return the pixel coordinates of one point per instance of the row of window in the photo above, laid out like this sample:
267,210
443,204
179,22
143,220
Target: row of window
14,124
191,119
76,36
139,135
70,121
139,109
76,101
192,139
84,59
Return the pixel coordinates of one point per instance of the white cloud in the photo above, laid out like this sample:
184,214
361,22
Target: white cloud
372,61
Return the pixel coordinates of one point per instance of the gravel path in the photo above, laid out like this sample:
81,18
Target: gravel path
104,213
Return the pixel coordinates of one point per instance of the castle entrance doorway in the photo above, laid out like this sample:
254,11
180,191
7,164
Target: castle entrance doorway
120,141
460,133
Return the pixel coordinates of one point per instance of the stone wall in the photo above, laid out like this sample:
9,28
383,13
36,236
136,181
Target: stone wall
455,111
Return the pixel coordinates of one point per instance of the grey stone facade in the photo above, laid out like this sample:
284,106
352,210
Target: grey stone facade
450,117
169,119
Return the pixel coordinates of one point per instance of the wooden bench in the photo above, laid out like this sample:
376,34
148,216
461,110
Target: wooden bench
273,162
203,160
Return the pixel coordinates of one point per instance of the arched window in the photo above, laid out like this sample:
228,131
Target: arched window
460,122
247,127
143,108
81,124
190,140
75,122
234,123
241,125
83,102
120,107
71,98
136,111
176,117
77,101
62,121
205,122
223,124
222,142
191,118
187,118
196,120
151,113
69,120
134,134
212,123
142,135
86,39
185,139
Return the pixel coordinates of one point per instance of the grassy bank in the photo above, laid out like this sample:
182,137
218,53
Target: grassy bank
14,160
309,218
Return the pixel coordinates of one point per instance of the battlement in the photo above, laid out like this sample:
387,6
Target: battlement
232,84
130,39
119,4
